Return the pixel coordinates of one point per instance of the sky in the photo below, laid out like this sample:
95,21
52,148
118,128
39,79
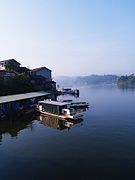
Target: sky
70,37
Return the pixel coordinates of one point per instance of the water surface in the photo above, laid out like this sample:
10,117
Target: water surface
102,145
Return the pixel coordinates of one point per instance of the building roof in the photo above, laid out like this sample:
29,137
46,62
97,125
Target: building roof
17,97
23,69
9,60
40,68
57,103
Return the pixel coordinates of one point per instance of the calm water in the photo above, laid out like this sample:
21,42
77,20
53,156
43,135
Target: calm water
102,145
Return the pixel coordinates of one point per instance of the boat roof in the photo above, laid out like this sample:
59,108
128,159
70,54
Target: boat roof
17,97
57,103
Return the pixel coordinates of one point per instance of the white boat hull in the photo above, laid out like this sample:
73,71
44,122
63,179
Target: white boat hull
73,117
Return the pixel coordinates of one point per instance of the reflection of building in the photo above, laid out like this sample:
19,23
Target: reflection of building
57,123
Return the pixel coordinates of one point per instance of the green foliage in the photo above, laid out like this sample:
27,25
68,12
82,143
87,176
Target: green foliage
1,84
10,66
21,83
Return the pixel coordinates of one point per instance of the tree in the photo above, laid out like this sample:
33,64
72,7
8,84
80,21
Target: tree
127,80
10,66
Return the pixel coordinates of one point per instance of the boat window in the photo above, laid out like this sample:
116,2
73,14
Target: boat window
64,112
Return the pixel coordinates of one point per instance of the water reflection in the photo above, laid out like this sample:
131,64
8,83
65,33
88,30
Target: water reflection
61,124
13,126
103,147
57,123
126,87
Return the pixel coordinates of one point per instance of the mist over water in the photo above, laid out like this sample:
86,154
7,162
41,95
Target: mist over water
102,145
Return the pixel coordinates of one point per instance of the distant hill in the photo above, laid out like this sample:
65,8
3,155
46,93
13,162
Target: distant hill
127,81
97,79
86,80
65,80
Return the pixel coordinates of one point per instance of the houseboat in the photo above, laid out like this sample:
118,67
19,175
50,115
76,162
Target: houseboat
57,109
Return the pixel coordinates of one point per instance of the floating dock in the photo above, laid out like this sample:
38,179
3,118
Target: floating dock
70,91
20,102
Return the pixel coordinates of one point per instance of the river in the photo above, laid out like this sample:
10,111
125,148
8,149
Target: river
102,145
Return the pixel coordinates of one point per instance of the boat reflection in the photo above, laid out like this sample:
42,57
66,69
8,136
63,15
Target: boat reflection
14,125
57,123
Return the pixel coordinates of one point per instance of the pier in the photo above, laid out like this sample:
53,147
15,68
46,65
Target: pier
65,91
20,102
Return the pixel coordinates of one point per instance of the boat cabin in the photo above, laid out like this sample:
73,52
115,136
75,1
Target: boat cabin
53,107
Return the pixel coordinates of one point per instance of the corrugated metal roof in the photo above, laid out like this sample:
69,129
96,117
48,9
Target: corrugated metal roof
17,97
57,103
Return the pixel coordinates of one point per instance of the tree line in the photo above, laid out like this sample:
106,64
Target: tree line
20,83
126,80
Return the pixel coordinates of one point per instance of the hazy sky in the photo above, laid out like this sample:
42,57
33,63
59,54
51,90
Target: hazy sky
71,37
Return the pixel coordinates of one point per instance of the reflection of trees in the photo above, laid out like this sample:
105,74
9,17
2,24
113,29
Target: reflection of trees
127,87
14,125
